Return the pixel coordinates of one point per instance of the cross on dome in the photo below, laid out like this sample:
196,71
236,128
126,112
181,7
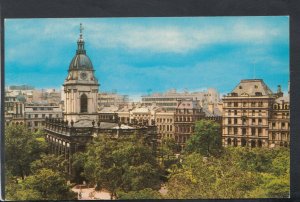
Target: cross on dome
81,29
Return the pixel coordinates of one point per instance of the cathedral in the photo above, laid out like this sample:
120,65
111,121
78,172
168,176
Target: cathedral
81,121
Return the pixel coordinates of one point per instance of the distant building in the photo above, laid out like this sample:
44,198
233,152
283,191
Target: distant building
106,99
143,115
279,123
13,109
20,87
186,114
165,124
247,112
168,100
35,114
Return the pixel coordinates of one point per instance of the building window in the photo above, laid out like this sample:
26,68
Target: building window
43,115
36,116
235,131
259,113
252,131
83,103
229,104
259,132
235,112
244,131
253,104
273,124
229,120
229,130
36,123
236,104
235,121
253,121
259,121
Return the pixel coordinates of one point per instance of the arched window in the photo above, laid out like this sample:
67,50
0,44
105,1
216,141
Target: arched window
83,103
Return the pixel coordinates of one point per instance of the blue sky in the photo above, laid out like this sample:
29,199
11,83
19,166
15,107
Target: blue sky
139,55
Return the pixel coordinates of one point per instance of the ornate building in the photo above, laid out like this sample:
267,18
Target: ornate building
80,87
247,113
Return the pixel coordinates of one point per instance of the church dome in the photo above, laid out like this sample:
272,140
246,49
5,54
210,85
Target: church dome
81,62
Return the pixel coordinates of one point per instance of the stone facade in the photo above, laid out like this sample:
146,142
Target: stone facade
186,114
279,123
247,111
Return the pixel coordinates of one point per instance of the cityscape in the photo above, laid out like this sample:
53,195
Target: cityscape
242,136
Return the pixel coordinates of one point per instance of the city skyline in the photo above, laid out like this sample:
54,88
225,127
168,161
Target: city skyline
202,52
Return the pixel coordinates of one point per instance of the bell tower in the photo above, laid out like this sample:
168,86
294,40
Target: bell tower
81,87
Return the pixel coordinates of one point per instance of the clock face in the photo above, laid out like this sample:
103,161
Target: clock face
83,75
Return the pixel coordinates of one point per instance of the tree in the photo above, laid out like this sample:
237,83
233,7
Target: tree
45,184
21,148
52,162
122,164
202,177
141,194
206,139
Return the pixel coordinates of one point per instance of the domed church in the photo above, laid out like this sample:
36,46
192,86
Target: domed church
80,87
81,122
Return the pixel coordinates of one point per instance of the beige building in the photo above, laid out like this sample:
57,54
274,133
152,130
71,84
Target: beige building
165,124
35,115
246,114
142,114
279,123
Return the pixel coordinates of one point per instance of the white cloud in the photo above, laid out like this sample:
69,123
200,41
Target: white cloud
27,37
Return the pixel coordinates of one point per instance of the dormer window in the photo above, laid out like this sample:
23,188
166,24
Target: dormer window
240,87
258,93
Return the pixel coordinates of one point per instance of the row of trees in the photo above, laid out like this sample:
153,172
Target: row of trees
127,168
31,174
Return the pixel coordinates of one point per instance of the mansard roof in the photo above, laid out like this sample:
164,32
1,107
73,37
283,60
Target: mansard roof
252,87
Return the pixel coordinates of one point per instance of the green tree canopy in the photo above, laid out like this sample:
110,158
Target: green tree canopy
141,194
124,164
21,149
52,162
46,184
206,139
